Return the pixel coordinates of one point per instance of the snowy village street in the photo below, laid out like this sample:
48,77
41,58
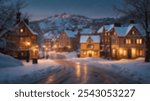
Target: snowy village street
79,73
66,68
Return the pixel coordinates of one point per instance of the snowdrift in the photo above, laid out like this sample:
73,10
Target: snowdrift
8,61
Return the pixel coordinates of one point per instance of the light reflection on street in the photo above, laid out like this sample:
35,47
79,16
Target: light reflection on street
85,73
81,72
78,70
50,79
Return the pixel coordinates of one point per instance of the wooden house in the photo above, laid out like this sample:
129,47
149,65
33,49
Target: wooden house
89,46
128,44
21,41
123,42
66,41
105,33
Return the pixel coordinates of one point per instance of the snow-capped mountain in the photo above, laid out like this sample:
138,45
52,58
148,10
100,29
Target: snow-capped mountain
64,21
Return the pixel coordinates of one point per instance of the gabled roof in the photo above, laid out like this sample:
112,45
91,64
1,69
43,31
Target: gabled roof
106,27
86,31
71,33
109,27
49,35
22,21
95,38
122,31
140,29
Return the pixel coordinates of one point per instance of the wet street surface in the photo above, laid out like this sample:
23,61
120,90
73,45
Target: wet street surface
77,73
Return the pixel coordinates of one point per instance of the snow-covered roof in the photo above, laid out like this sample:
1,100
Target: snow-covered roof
124,30
95,38
109,27
101,29
48,35
22,21
121,31
106,27
86,31
139,28
70,33
30,28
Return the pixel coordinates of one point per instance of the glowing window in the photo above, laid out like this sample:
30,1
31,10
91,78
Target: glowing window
124,52
133,32
21,30
128,41
139,41
90,46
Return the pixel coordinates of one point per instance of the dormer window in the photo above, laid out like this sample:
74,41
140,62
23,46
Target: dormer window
21,30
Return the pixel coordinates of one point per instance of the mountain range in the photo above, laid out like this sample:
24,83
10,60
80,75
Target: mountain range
67,21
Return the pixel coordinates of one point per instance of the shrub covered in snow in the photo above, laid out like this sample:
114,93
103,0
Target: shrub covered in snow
8,61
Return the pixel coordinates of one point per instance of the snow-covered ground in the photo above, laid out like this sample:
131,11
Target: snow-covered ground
23,72
8,61
26,72
135,69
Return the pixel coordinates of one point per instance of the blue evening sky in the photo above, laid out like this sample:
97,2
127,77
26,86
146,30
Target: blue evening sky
39,9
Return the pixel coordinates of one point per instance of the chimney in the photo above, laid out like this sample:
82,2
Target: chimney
18,17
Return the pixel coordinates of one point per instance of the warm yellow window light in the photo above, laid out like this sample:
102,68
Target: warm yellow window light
120,51
28,43
133,32
128,41
84,53
133,52
124,52
139,41
21,30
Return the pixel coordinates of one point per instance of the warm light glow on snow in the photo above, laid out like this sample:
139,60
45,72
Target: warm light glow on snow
78,69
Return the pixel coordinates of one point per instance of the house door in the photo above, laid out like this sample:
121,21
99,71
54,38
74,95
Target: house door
129,54
90,53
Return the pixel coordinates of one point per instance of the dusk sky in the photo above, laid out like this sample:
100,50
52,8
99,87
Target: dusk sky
39,9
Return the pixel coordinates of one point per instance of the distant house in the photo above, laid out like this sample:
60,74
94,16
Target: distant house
105,33
66,41
89,46
122,42
21,41
49,39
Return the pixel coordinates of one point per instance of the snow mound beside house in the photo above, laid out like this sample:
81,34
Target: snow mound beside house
71,55
8,61
29,73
